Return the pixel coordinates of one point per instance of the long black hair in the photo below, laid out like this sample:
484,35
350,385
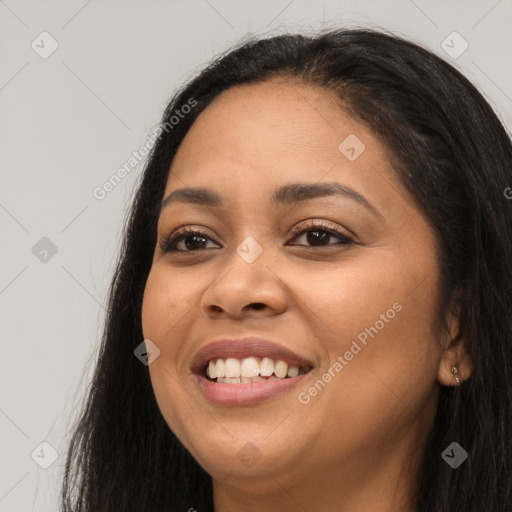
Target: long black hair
453,155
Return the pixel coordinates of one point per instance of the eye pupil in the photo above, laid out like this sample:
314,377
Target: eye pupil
317,236
198,241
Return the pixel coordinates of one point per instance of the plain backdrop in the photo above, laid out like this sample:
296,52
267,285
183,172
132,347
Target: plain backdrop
69,119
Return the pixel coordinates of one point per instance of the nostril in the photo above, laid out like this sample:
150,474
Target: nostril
258,305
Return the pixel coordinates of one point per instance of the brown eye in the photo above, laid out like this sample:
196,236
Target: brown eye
193,240
318,235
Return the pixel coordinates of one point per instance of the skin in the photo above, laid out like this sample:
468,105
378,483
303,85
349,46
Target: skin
356,445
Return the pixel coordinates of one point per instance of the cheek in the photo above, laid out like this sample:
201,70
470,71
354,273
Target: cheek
155,303
341,302
164,321
382,331
166,314
383,300
166,301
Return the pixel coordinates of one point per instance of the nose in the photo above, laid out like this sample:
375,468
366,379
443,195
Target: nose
245,289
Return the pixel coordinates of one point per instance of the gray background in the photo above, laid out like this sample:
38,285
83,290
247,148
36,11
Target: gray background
69,121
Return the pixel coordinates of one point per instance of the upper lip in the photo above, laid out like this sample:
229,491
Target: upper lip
246,347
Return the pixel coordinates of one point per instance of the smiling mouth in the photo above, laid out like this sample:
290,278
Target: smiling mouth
251,369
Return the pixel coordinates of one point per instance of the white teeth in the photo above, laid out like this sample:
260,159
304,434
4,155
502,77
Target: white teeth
219,368
250,367
266,367
281,369
246,380
239,380
212,372
232,367
228,380
293,371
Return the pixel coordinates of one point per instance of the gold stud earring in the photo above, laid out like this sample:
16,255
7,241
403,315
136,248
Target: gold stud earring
456,373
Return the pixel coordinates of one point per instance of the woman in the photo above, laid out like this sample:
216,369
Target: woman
318,258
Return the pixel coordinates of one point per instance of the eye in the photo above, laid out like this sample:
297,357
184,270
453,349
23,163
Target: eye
191,237
318,233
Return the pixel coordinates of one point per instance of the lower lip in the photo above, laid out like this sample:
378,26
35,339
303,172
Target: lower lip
244,394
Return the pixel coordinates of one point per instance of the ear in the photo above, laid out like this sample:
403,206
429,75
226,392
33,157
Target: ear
455,354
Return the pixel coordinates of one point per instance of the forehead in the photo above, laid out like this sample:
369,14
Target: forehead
277,116
253,138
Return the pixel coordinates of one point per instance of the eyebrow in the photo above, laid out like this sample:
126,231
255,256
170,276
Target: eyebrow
287,194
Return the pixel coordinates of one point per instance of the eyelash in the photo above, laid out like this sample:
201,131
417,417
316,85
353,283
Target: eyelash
169,244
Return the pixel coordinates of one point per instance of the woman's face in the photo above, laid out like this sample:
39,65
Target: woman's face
343,282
